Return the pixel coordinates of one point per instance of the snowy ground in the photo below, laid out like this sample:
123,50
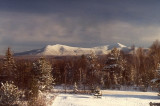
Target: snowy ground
109,98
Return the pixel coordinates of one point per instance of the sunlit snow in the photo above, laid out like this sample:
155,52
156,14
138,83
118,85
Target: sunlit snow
109,98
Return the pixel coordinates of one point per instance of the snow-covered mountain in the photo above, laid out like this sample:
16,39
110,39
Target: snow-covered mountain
63,50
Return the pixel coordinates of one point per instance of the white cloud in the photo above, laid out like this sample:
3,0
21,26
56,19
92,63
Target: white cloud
119,31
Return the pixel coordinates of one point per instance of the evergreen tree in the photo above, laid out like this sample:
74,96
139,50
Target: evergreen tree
75,90
102,82
42,73
115,68
9,94
93,69
132,76
8,71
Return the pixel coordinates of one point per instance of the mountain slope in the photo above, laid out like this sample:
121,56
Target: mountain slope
63,50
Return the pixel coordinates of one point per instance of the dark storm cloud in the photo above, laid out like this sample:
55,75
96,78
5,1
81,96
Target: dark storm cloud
34,23
98,10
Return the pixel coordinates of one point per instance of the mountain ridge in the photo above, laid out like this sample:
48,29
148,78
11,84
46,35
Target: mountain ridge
63,50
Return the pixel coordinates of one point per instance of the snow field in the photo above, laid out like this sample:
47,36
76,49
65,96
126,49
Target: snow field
109,98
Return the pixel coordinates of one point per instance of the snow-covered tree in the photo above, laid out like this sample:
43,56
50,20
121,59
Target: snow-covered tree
93,69
155,52
132,76
42,73
102,82
92,88
75,90
9,94
115,68
83,71
143,68
157,80
9,68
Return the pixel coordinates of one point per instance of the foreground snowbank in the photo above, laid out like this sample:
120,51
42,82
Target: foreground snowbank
111,98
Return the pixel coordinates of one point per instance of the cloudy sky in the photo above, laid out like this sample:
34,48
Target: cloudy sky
32,24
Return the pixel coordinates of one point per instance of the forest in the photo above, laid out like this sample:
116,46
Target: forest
137,68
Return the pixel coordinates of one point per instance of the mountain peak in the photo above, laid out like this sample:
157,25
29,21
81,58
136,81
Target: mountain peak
121,45
63,50
56,45
116,45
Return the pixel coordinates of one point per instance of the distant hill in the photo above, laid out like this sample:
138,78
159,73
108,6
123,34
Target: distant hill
64,50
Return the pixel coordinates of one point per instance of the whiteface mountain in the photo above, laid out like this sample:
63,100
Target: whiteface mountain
63,50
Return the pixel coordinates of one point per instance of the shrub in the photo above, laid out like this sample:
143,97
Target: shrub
9,94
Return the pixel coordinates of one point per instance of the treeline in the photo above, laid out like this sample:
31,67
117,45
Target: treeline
136,68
